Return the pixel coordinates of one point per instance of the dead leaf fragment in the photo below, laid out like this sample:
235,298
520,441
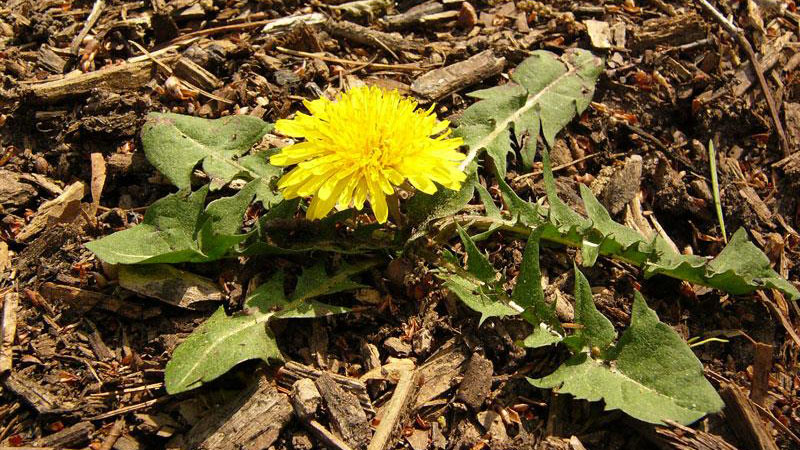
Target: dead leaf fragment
98,177
599,33
168,284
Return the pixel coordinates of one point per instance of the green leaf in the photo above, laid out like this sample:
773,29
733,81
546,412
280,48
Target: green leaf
167,233
177,229
547,92
542,336
525,213
315,281
176,143
491,211
597,330
612,237
654,376
741,267
528,292
265,176
477,262
223,341
480,297
566,221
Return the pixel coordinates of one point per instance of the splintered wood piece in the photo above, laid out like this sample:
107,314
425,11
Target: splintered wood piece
745,421
189,71
121,77
14,193
679,437
253,420
50,60
762,365
347,418
439,82
64,208
8,329
293,371
396,412
32,393
72,436
440,371
306,399
98,177
672,31
327,438
746,76
367,36
477,382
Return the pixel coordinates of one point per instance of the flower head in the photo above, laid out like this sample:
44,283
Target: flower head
360,146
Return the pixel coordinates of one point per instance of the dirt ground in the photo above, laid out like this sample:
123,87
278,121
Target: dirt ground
87,358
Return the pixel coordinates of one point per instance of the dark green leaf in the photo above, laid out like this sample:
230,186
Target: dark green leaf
176,143
654,376
547,91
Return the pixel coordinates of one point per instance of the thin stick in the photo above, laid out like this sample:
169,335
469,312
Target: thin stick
8,329
738,34
97,9
397,67
169,71
402,399
712,159
113,435
569,164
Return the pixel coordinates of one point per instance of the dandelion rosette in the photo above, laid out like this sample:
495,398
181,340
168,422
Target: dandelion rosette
362,145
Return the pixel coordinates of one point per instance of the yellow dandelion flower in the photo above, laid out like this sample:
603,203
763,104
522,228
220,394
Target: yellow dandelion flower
360,146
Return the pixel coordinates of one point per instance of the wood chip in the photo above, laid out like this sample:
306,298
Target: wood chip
73,436
33,394
367,36
746,77
346,416
477,382
117,78
745,421
306,399
413,15
396,412
13,192
672,31
679,437
759,207
252,420
762,366
84,300
326,437
63,209
440,371
189,71
599,33
5,257
98,177
293,371
440,82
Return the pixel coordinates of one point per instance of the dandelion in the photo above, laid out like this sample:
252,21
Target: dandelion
362,145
